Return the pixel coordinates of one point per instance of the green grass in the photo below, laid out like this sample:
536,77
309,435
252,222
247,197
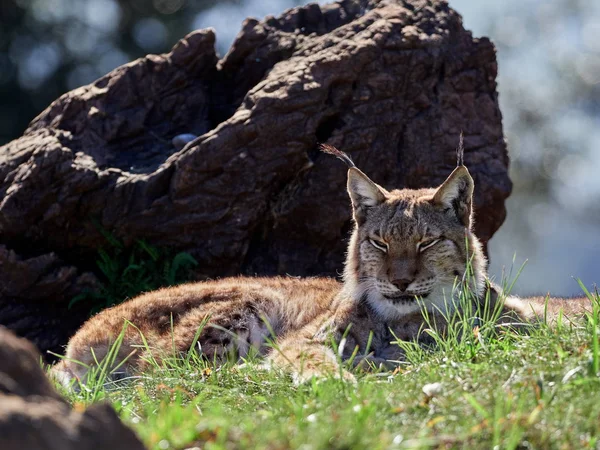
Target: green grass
497,389
125,272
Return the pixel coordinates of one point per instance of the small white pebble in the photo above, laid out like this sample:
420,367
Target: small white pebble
357,408
398,439
312,418
432,389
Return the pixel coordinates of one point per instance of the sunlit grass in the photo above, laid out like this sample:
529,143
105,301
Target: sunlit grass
496,389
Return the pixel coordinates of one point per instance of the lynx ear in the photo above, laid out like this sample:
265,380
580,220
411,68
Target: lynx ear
364,193
456,195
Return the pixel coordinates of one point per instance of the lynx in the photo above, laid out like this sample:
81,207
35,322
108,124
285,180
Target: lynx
411,252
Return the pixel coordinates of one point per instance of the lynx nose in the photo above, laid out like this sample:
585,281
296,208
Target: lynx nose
402,284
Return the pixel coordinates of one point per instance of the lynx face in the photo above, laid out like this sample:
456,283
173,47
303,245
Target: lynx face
411,244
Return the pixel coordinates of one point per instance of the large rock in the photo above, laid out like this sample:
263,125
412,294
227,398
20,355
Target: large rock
33,416
34,294
391,82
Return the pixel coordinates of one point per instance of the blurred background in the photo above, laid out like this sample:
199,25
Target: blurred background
549,84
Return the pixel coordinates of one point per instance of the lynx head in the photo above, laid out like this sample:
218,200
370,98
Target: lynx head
410,244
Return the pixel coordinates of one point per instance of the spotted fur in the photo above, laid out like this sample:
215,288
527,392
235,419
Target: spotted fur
409,250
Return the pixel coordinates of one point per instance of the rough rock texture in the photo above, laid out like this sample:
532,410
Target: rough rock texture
391,82
34,293
33,416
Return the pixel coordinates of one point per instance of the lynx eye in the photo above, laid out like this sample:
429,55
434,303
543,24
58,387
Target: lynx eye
424,245
379,245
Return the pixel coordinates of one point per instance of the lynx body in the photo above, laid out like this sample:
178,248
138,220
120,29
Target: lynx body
409,251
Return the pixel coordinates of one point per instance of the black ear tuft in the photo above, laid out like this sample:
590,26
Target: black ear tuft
460,152
363,192
330,149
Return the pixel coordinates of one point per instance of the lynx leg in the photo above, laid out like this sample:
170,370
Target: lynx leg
220,332
307,359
